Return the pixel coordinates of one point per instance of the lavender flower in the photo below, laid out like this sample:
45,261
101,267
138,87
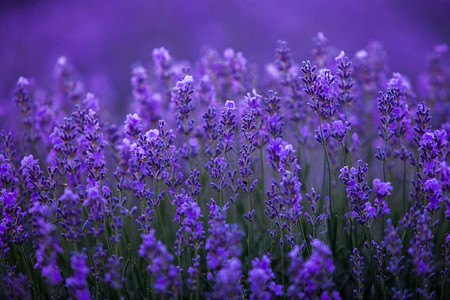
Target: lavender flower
148,106
47,246
114,277
394,247
17,284
357,191
70,211
320,88
25,103
223,242
226,129
163,64
345,83
182,98
339,130
160,265
310,278
421,256
261,278
313,218
381,190
210,130
273,121
77,284
188,216
284,61
226,279
358,264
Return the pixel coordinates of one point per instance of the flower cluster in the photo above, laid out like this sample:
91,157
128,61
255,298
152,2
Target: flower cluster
212,184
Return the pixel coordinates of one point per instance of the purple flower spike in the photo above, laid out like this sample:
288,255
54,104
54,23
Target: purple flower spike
308,277
77,284
160,265
261,279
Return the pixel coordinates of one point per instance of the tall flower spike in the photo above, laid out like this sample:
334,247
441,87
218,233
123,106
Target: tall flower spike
320,88
273,121
160,265
387,103
163,64
226,286
148,106
77,284
381,190
182,97
358,264
261,279
284,61
47,246
394,248
345,80
421,256
227,128
313,275
358,192
223,242
210,130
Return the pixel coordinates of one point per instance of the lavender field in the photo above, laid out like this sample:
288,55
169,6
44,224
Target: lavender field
235,150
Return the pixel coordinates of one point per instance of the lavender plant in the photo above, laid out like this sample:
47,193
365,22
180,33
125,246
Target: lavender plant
214,186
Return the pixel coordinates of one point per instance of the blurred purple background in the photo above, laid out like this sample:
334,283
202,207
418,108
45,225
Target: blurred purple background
104,38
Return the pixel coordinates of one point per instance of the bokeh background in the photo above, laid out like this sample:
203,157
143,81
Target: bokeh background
104,38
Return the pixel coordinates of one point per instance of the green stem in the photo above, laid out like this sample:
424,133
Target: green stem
196,277
384,160
344,154
405,200
29,268
250,227
332,217
261,162
187,146
282,265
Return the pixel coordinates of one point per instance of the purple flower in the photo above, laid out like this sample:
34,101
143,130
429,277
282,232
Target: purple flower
70,211
308,277
394,247
182,97
114,276
323,136
261,279
132,125
17,285
77,284
346,82
230,105
148,104
160,264
210,130
387,103
227,278
320,89
46,243
381,189
339,129
420,251
358,264
223,241
163,62
226,129
216,168
358,193
188,215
